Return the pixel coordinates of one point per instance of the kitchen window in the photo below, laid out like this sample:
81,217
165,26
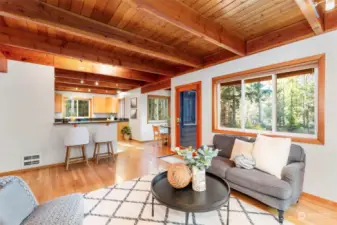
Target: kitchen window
281,101
158,109
79,108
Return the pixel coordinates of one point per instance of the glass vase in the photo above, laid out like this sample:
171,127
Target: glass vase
198,179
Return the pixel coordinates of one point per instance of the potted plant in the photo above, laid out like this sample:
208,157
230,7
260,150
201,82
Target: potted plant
198,161
126,131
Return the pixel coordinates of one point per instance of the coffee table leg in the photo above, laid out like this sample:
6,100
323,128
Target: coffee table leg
152,206
187,214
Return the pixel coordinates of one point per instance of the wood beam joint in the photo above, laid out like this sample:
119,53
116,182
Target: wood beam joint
312,15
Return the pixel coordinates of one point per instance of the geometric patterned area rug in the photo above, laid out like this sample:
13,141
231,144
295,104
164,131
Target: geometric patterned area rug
129,203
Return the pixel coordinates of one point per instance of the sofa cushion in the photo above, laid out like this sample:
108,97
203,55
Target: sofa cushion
225,144
219,166
16,201
259,181
65,210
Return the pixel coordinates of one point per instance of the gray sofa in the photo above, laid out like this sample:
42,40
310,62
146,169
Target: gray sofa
18,206
268,189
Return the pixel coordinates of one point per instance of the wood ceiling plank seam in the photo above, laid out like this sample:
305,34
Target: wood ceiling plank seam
88,7
208,6
65,4
272,26
217,7
110,9
227,9
197,5
135,24
238,9
98,11
118,15
260,6
270,17
266,14
85,90
77,6
127,17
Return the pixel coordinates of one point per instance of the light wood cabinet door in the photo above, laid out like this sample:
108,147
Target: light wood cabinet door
108,105
58,103
99,105
115,105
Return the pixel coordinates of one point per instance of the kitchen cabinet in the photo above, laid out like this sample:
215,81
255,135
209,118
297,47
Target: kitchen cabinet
58,103
99,105
105,105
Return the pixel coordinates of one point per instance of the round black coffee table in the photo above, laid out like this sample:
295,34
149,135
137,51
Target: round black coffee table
217,194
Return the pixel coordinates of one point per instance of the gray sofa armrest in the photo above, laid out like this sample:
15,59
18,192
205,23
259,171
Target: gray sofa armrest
293,173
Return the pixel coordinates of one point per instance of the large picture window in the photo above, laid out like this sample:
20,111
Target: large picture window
158,109
280,101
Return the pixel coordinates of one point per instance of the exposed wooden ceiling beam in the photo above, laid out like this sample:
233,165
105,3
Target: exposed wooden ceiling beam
61,47
94,77
62,20
330,20
85,90
280,37
312,15
84,86
160,85
3,63
92,83
182,16
67,63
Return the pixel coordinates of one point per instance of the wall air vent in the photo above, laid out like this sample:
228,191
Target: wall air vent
31,160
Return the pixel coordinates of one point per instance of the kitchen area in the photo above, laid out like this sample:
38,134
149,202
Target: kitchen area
92,111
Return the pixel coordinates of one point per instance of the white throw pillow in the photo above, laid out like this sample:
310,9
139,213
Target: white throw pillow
271,154
242,147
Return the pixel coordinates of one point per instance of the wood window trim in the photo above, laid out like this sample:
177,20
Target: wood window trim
169,108
320,59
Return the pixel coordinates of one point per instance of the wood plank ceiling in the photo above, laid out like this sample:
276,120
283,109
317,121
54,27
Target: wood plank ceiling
131,43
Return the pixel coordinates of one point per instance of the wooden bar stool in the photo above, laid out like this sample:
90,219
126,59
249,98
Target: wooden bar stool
77,137
103,135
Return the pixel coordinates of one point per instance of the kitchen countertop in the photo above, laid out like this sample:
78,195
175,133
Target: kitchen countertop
91,122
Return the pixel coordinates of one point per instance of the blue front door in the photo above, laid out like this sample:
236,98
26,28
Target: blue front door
188,125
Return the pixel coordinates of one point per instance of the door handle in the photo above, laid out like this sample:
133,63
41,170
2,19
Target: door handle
178,120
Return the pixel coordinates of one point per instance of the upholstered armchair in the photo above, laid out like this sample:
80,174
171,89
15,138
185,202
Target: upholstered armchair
18,206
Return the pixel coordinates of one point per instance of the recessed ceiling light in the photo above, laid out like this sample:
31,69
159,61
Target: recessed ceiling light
82,81
329,5
89,90
118,91
96,83
76,89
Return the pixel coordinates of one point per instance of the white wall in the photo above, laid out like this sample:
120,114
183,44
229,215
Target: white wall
27,117
141,130
83,95
26,113
321,171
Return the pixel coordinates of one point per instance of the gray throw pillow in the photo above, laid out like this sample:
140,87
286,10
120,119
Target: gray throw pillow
242,161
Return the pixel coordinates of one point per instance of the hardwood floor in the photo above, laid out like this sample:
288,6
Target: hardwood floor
138,159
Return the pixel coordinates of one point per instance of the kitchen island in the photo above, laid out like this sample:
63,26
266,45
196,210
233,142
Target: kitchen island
60,130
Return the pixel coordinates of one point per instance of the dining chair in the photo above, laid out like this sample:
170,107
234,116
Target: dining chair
158,135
